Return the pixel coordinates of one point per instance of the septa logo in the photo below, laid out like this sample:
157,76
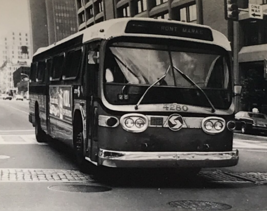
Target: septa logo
175,122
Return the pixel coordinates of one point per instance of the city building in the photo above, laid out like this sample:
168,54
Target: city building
15,52
51,21
251,33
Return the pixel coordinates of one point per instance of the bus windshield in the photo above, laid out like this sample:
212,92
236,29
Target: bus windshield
130,69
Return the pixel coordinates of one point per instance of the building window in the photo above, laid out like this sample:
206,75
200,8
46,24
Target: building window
79,4
163,16
158,2
141,5
188,14
90,12
126,11
101,6
193,13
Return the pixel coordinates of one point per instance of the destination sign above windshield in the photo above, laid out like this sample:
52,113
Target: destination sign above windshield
170,29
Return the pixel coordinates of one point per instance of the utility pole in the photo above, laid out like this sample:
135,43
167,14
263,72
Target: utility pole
232,15
237,84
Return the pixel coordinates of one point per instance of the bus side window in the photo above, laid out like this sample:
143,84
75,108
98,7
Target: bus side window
49,68
73,64
33,71
58,62
41,71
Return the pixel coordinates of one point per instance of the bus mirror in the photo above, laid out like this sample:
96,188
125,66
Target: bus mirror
93,57
50,78
237,89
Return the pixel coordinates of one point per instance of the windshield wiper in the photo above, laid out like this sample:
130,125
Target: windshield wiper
143,95
199,88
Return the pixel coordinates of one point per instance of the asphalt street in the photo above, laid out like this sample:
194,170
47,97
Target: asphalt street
44,177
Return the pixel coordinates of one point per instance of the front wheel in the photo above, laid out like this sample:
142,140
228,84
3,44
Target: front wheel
79,149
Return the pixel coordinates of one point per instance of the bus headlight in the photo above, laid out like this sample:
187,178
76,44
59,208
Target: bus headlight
135,123
213,125
129,122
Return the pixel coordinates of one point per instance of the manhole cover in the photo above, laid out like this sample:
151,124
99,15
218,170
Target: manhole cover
79,188
199,205
4,157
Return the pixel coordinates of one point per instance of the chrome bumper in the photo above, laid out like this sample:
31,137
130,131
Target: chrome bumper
124,159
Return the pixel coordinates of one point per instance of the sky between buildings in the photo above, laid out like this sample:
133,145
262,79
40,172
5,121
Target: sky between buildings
14,16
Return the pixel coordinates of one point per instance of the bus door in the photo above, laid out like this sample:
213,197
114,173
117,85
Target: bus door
90,85
48,69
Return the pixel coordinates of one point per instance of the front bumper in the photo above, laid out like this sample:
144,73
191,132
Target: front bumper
123,159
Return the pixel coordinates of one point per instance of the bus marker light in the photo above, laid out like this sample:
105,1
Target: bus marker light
112,121
108,121
231,125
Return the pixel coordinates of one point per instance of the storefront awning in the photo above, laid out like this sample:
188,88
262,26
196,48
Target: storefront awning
253,53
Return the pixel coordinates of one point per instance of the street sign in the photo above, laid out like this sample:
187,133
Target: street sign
255,11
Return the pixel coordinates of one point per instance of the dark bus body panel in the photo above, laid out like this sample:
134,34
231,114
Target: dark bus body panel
162,139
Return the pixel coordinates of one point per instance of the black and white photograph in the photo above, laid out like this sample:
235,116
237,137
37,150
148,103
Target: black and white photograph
133,105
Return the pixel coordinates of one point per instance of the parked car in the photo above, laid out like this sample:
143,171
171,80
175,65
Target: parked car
6,97
250,122
19,97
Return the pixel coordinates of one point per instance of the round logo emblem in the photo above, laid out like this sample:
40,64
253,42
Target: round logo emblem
175,122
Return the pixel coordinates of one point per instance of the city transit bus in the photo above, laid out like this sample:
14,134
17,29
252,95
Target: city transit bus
138,93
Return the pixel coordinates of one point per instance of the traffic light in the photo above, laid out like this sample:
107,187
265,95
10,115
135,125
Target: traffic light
231,10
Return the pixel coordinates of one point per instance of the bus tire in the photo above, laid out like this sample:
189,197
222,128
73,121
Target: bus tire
39,133
78,143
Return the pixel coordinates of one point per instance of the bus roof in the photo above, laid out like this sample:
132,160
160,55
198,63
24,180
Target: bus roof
148,27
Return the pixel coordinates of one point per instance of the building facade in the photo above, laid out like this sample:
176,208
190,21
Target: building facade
51,21
15,52
251,33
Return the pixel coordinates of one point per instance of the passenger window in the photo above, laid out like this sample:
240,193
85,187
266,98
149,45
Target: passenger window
73,64
41,71
33,71
57,68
